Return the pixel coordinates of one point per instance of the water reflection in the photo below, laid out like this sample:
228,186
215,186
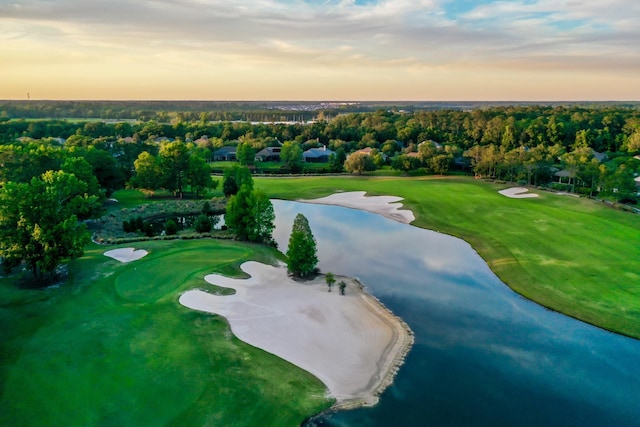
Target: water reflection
483,355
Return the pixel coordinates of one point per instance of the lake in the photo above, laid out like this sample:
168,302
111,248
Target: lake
483,355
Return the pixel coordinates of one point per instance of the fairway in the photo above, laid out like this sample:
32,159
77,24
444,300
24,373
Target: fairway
114,347
572,255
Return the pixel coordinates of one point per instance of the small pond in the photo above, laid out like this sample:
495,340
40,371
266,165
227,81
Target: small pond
483,355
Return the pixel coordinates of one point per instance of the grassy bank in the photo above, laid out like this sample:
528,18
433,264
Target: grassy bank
114,347
572,255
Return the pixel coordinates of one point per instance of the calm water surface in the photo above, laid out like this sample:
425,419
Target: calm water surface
482,355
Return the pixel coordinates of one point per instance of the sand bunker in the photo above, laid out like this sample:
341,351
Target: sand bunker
517,193
386,206
126,254
352,343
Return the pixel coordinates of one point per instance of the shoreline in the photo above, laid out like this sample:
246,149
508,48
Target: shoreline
394,356
352,343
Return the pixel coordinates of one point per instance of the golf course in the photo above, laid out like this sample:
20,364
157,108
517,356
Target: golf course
112,345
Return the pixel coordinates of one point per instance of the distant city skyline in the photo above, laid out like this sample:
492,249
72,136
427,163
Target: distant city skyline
361,50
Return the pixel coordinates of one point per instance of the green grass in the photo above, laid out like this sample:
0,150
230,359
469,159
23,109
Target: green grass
114,347
572,255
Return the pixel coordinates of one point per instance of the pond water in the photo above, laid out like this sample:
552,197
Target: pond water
483,355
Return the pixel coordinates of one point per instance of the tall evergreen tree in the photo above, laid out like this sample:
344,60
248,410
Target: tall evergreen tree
302,257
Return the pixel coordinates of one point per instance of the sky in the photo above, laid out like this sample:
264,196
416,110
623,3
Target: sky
423,50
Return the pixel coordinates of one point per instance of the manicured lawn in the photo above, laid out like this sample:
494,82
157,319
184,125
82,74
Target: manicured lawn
572,255
114,347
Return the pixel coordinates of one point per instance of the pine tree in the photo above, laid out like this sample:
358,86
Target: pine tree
302,252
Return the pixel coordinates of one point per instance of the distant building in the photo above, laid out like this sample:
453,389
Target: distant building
317,155
269,154
225,154
367,152
601,157
435,144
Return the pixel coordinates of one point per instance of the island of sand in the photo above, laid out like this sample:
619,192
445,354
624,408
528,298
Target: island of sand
351,342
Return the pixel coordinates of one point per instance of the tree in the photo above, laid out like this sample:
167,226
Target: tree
170,227
234,178
245,154
174,163
264,218
633,142
302,254
330,279
621,184
249,214
405,163
575,161
440,163
203,224
291,156
357,163
239,213
147,175
198,175
229,185
39,223
342,286
337,159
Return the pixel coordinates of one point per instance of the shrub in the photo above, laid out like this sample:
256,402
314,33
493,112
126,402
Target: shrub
170,227
203,224
147,228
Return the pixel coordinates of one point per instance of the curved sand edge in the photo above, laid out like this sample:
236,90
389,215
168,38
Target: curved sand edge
393,358
387,206
517,193
352,343
126,254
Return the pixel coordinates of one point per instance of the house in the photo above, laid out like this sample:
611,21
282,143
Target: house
435,144
203,140
601,157
317,155
367,151
561,175
269,154
225,154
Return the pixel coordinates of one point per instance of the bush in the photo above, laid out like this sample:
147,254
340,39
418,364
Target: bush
203,224
170,227
147,228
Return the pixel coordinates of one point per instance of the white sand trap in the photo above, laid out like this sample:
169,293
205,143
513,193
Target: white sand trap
126,254
517,193
386,206
352,343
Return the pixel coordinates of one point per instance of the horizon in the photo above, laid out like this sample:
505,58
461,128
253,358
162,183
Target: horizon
365,50
335,101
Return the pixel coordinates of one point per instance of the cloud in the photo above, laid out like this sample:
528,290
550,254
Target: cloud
562,35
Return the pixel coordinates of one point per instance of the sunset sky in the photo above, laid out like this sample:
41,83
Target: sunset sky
538,50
